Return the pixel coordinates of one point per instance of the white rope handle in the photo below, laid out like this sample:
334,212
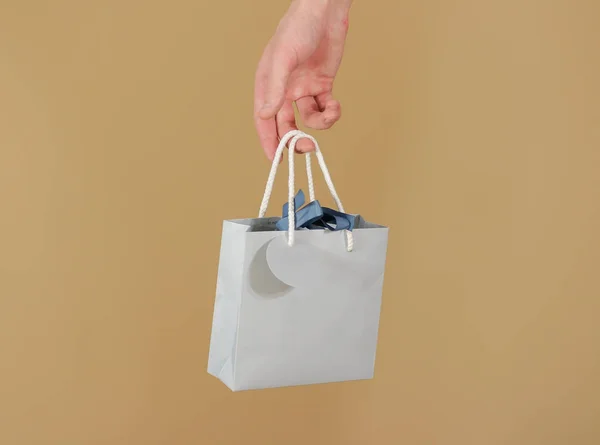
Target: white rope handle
309,178
328,181
276,161
296,135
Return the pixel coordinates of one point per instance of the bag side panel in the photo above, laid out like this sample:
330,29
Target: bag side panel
221,357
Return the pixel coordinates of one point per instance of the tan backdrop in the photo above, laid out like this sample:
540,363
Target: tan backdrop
471,128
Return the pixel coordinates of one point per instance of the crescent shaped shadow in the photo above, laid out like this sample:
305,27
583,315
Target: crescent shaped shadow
262,281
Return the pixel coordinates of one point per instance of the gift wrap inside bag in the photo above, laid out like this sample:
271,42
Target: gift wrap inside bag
298,296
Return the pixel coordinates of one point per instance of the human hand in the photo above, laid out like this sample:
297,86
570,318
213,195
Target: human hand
299,65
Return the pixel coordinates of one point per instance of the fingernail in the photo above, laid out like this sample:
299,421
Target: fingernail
264,109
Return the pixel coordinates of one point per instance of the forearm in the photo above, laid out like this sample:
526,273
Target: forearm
324,5
333,11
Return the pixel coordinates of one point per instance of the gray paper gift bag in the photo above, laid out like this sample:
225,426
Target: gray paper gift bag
296,307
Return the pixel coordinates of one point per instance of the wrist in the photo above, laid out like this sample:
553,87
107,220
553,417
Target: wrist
325,5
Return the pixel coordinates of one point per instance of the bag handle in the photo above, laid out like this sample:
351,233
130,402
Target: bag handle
276,161
295,136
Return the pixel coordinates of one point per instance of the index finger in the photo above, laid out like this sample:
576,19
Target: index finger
266,128
267,133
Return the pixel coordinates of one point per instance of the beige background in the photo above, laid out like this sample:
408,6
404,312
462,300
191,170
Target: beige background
470,127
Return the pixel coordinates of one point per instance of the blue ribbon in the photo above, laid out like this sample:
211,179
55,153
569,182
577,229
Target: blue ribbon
314,217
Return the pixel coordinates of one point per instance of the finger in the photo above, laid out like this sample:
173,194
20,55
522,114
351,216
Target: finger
331,108
281,64
319,113
267,133
286,121
266,128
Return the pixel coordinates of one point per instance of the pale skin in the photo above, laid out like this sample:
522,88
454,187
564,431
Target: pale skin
298,66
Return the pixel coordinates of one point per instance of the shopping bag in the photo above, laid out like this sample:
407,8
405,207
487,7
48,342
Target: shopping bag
297,306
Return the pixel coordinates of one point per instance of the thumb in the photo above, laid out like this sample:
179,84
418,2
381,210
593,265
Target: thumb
282,63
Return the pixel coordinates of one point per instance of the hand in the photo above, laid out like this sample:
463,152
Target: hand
299,65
